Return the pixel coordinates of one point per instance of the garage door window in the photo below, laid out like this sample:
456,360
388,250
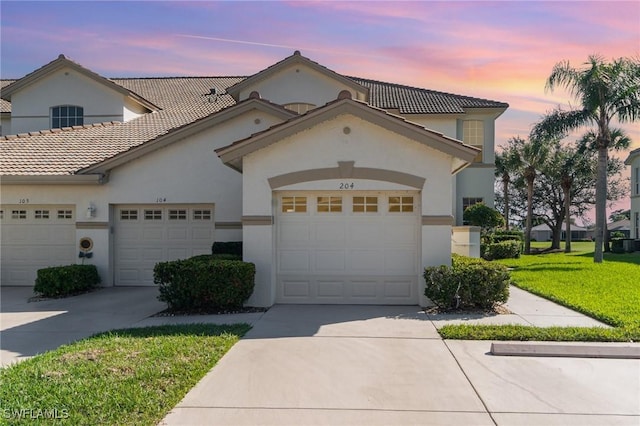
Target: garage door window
365,204
18,214
401,204
202,215
41,214
153,215
294,204
329,204
128,214
178,214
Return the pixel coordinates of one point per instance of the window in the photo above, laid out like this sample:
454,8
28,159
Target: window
329,204
637,216
365,204
637,186
473,134
153,215
294,204
41,214
202,215
18,214
299,107
65,214
128,214
178,214
66,116
401,204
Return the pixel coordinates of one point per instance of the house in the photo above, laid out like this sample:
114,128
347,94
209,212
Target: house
634,162
342,189
542,232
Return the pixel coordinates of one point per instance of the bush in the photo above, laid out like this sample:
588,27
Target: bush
204,283
61,281
468,283
509,249
503,235
227,247
484,216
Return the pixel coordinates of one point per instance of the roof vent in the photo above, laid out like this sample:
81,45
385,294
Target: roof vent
254,95
212,96
344,94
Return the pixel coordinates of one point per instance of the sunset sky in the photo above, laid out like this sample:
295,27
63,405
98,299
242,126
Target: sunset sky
497,50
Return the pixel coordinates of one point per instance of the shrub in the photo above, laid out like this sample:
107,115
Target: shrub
61,281
509,249
204,283
227,247
504,235
484,216
468,283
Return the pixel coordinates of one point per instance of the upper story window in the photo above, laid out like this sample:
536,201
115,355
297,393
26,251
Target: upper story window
473,134
637,179
66,116
299,107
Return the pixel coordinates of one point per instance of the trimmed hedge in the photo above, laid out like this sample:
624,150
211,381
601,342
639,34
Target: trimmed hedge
204,283
504,235
227,247
61,281
468,283
509,249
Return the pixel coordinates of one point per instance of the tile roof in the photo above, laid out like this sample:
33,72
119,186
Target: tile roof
182,100
414,100
5,106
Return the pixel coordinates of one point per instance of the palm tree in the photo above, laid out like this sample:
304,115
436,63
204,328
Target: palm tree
589,142
528,157
506,163
606,91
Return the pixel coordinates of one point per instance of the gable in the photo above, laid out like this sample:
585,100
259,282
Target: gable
462,154
297,79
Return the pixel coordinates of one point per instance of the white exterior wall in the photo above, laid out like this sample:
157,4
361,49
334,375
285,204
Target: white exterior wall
5,122
298,84
30,107
445,125
187,171
322,147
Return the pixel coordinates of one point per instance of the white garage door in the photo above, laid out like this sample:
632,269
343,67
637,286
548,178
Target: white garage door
147,234
348,247
35,237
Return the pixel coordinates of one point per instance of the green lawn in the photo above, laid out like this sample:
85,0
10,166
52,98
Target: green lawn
123,377
609,291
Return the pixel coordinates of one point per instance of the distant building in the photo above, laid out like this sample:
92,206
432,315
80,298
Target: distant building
542,232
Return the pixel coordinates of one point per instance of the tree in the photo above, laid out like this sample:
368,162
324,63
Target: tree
483,216
506,164
605,91
529,156
620,214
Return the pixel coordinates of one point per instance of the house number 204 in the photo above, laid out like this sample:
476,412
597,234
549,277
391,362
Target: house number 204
346,185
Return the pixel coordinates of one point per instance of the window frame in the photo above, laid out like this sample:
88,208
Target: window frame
473,134
75,119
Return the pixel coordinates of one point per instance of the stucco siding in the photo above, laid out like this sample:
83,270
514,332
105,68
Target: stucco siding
30,107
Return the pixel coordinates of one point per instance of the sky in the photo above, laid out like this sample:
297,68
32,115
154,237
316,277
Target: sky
502,50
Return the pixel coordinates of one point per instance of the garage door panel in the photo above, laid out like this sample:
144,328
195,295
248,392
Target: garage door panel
330,261
366,261
364,234
152,234
331,288
295,261
397,261
330,232
293,288
401,289
367,289
295,232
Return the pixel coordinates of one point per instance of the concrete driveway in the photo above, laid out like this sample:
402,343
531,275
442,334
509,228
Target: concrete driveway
387,365
29,328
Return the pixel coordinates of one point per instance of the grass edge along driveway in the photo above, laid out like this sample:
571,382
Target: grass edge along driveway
121,377
609,292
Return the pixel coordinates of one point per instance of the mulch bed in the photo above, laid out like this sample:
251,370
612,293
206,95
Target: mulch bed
496,310
243,310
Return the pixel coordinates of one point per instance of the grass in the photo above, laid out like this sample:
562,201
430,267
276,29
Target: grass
122,377
609,292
